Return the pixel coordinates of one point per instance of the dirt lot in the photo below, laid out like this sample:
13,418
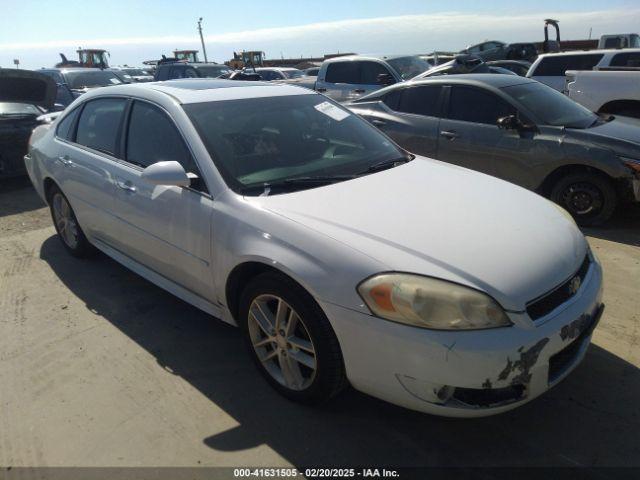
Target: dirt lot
98,367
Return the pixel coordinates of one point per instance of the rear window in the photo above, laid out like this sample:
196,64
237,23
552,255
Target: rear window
342,72
417,100
99,123
628,59
557,65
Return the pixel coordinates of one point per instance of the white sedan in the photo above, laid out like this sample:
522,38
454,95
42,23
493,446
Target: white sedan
344,259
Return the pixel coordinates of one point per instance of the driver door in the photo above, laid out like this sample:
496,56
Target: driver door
165,228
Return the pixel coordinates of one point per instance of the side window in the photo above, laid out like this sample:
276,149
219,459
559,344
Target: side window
190,73
65,127
628,59
342,72
99,123
152,138
369,72
267,75
176,72
474,105
557,65
420,101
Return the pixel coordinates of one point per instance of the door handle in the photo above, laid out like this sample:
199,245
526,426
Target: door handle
451,135
359,90
128,186
321,90
379,123
65,160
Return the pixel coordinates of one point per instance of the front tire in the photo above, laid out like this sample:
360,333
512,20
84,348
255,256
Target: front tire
66,224
589,197
290,339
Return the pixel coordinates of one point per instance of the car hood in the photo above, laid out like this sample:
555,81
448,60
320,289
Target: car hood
440,220
619,133
26,86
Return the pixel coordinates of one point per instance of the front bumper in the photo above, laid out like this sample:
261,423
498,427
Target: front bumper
467,373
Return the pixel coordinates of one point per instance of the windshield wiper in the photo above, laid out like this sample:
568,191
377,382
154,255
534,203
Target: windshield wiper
386,164
286,183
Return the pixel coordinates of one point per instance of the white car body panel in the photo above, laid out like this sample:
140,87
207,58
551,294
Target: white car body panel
424,217
594,89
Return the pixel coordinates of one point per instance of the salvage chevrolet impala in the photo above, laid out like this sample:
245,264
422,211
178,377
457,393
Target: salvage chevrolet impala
343,259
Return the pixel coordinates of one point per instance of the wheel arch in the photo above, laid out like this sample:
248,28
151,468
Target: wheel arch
48,183
617,106
550,180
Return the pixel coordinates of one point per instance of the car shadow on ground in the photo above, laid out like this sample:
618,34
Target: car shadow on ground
622,227
591,418
17,195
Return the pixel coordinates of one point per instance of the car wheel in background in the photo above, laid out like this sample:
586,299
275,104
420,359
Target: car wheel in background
291,340
589,197
66,224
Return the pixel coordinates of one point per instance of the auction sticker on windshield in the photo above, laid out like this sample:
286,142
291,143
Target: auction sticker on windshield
331,111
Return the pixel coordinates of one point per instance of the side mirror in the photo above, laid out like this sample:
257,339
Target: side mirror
166,173
510,122
385,79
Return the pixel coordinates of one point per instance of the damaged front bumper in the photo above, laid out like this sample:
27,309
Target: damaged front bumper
467,373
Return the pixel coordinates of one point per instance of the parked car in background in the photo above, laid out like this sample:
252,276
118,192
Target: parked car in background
621,40
519,67
24,97
135,74
496,50
349,77
311,72
463,64
174,70
277,73
261,205
551,68
613,92
73,82
518,130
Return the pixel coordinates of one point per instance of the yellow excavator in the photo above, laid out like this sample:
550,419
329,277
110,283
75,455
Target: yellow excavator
246,59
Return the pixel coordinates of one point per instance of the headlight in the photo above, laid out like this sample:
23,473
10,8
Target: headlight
632,163
430,303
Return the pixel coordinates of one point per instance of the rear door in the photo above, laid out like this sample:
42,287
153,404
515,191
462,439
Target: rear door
165,228
87,148
469,135
411,117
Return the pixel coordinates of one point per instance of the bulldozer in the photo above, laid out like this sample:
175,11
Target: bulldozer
246,59
87,57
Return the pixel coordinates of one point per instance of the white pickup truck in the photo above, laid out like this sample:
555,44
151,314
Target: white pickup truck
603,91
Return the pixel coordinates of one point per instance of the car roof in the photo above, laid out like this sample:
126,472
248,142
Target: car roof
367,57
74,69
496,80
590,52
198,90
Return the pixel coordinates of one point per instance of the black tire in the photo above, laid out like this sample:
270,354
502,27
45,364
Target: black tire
589,197
81,248
329,377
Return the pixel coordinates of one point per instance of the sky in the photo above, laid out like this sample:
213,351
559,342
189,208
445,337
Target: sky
35,31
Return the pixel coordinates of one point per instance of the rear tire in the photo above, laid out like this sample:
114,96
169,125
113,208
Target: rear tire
66,224
589,197
290,339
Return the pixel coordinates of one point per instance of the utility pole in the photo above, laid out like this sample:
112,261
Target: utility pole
204,50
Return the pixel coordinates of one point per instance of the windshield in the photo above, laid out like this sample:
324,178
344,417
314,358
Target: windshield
551,106
265,140
293,73
212,71
97,78
409,67
10,108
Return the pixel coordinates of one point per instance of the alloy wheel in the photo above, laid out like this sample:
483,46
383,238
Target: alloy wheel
65,221
583,199
282,342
